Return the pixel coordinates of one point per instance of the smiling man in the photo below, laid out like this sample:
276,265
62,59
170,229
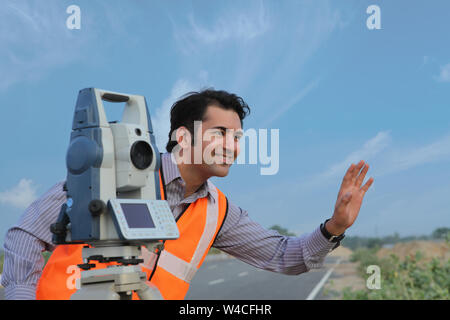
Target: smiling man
203,142
210,149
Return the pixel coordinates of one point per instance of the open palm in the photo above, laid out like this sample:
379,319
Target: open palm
350,197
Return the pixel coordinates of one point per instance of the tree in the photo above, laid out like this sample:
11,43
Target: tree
281,230
374,243
440,233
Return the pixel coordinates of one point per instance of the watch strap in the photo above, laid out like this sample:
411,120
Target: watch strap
329,236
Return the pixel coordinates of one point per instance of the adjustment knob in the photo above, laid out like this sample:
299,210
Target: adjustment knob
97,207
58,228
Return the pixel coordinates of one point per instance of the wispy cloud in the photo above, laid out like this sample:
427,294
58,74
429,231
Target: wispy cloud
35,40
444,75
232,25
387,157
21,195
368,151
298,30
294,101
400,159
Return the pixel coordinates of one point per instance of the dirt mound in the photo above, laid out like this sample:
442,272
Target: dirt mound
345,275
429,250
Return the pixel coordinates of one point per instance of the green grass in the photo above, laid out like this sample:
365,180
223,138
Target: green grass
409,279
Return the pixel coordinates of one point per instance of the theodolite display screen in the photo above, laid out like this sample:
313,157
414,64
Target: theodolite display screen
137,215
138,219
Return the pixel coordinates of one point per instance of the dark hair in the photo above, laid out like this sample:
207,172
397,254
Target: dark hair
192,106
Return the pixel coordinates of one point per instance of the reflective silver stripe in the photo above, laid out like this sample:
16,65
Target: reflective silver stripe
186,270
149,258
176,266
212,218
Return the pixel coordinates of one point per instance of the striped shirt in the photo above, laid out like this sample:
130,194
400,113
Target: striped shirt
239,236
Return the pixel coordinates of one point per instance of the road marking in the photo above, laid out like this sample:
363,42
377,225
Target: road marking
211,283
322,281
243,274
212,267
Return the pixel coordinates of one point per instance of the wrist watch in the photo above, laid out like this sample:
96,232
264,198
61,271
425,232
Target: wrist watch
330,237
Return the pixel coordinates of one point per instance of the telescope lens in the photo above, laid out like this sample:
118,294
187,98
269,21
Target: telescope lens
141,155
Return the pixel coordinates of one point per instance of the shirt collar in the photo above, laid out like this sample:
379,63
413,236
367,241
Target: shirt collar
172,173
170,168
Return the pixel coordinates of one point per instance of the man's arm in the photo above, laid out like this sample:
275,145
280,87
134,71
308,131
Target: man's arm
23,264
25,241
248,241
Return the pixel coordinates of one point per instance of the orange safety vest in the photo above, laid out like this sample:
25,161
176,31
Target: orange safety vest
170,270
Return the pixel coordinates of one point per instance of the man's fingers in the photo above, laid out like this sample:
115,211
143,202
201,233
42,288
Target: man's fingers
353,176
348,174
367,185
356,170
362,175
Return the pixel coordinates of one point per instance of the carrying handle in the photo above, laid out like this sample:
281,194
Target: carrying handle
114,97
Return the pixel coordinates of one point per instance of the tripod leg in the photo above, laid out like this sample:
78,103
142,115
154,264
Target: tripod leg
148,291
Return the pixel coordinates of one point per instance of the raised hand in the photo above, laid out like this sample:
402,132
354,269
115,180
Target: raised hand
349,199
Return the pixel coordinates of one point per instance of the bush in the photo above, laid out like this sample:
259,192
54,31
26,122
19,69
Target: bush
411,278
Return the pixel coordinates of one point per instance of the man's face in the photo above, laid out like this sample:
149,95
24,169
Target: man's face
220,134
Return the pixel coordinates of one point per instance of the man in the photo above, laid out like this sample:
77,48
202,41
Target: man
204,215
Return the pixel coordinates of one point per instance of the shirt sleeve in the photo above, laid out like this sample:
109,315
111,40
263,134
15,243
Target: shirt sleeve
25,241
248,241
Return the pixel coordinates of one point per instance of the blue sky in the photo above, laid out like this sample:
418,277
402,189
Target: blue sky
336,91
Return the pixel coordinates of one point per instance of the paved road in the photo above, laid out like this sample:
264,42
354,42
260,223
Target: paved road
234,280
231,279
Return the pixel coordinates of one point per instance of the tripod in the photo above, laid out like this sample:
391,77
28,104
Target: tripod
116,282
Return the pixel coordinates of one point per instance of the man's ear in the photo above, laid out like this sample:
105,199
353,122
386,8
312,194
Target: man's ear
183,137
